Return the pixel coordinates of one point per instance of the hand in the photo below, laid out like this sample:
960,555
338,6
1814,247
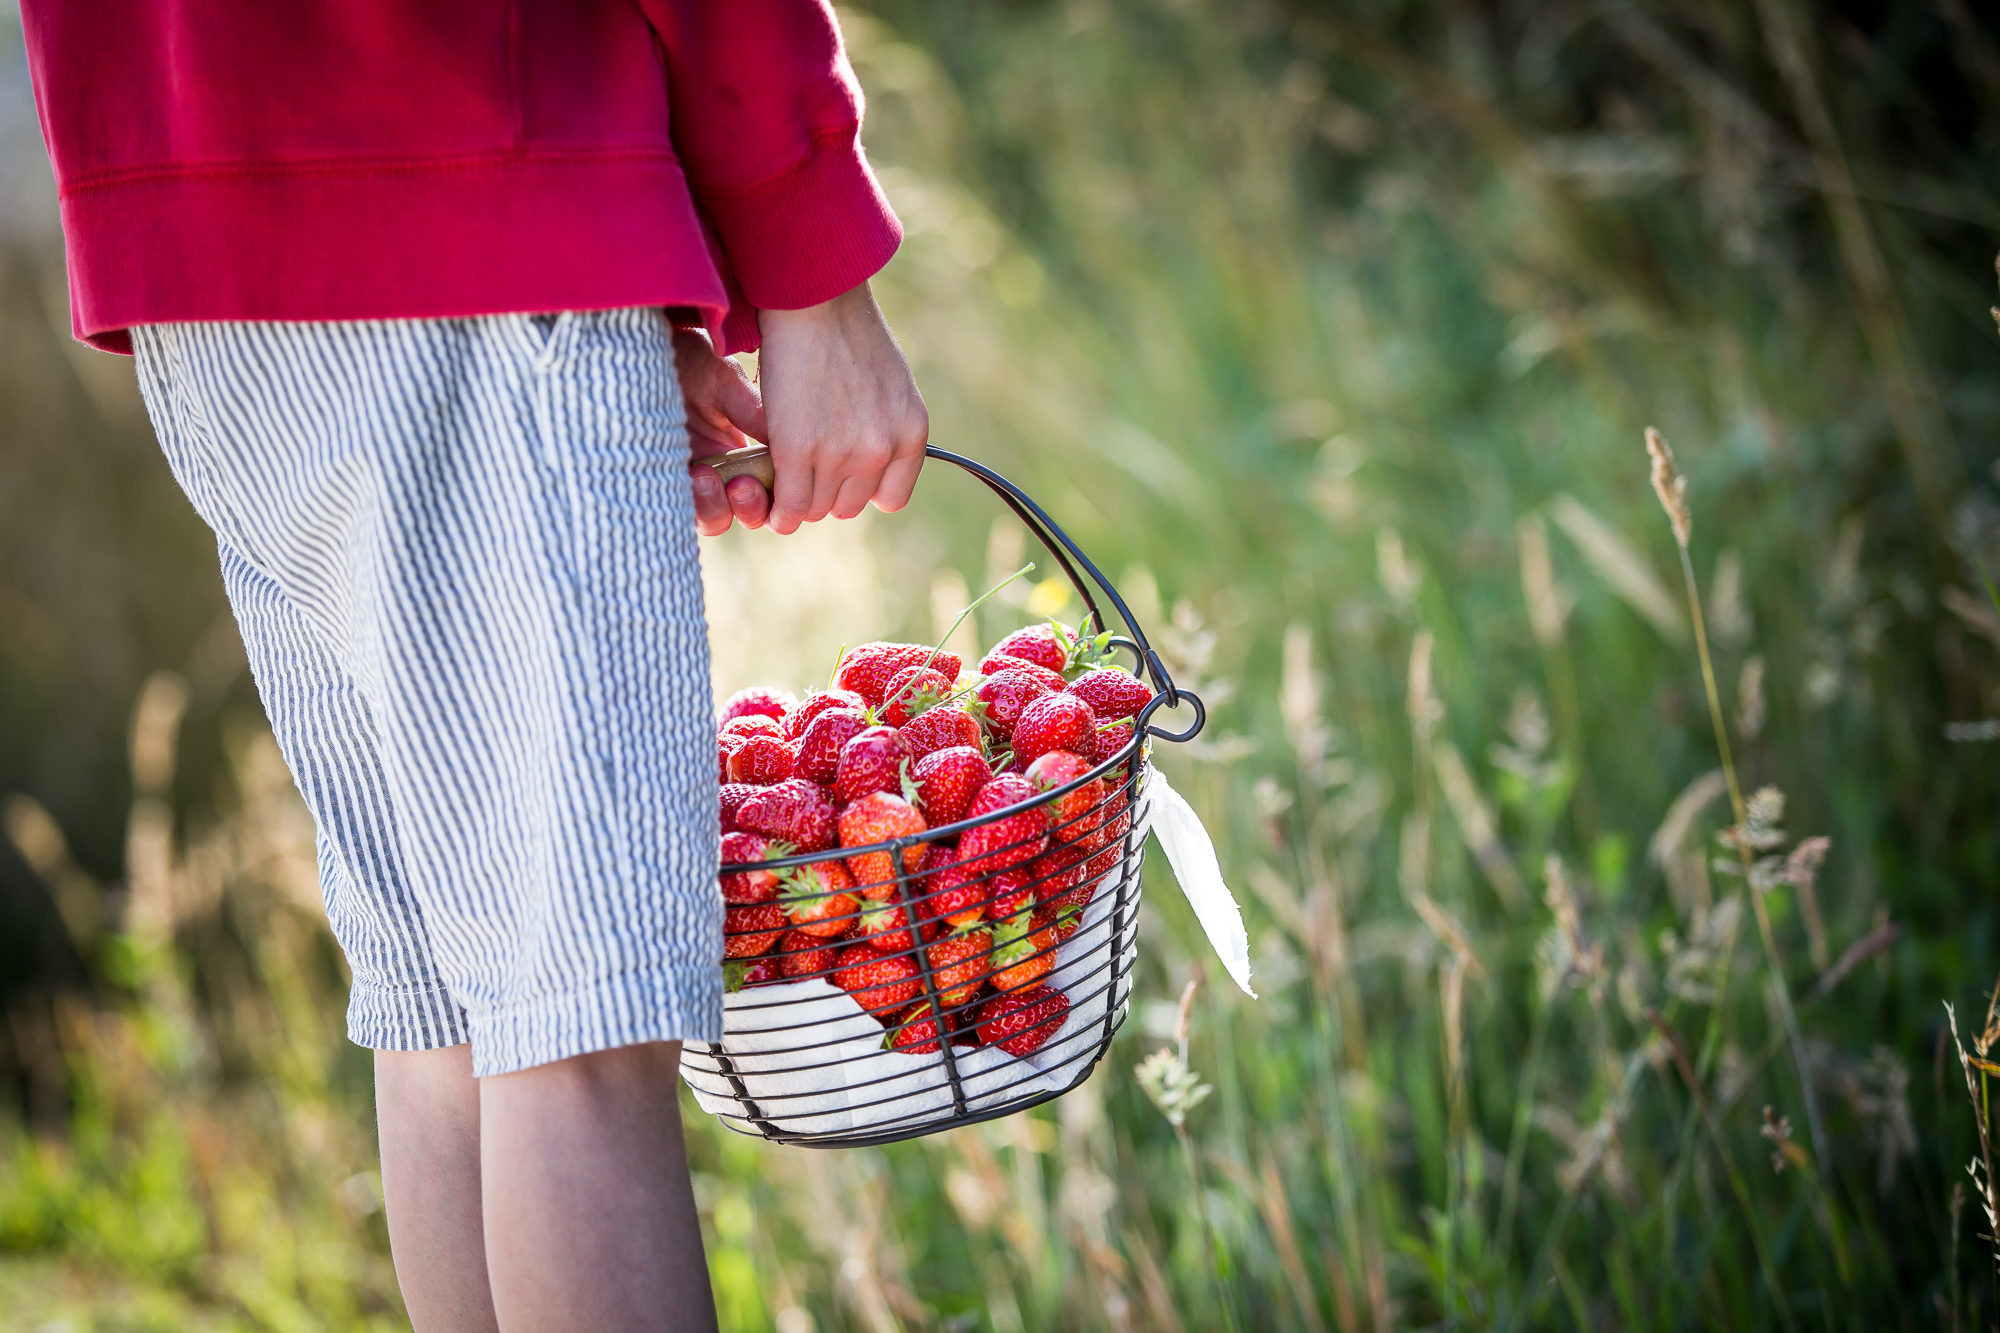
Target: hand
846,423
724,412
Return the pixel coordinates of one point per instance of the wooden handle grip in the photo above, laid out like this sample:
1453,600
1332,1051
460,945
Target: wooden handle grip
755,461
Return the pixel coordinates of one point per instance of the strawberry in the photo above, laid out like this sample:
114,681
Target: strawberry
741,972
1100,869
1110,739
1056,875
868,669
879,983
762,760
1021,1022
1035,643
749,886
801,955
911,691
871,760
885,927
1013,892
1006,842
1006,694
752,929
946,781
751,724
879,817
731,799
960,962
915,1032
768,700
819,745
940,728
1023,953
994,663
724,747
964,894
813,705
793,811
1076,814
1064,891
1112,692
1053,722
819,899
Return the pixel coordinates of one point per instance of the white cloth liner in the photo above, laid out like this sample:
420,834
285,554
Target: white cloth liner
813,1061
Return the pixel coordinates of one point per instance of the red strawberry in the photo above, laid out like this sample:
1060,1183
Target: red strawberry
940,728
1035,643
813,705
741,972
947,780
1111,692
749,886
750,930
793,811
1022,1022
1005,695
1076,814
1056,875
915,1032
768,700
819,745
801,955
880,983
1100,870
732,797
960,962
819,899
879,817
1023,954
994,663
1006,842
964,894
871,760
1110,739
911,691
868,669
724,747
1014,892
886,927
751,724
1053,722
762,760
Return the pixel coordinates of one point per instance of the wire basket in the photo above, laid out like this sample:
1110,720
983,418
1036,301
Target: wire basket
908,1049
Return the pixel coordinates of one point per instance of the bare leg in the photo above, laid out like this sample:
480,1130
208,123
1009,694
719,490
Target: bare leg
427,1113
590,1221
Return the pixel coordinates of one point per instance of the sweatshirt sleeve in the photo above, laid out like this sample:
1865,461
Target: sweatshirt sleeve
767,122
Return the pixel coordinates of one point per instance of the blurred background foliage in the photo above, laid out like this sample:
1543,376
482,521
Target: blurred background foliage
1331,331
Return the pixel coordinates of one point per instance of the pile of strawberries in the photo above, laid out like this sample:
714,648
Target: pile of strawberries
904,742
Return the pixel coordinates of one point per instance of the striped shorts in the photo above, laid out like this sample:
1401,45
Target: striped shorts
463,557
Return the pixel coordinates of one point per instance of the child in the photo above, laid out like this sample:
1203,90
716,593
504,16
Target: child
409,284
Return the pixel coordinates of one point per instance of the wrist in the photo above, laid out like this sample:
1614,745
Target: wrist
855,304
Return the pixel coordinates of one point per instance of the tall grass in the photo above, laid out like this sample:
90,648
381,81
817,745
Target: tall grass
1334,338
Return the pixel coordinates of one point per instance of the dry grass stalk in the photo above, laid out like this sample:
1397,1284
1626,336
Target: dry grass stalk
1478,826
1977,1070
1671,487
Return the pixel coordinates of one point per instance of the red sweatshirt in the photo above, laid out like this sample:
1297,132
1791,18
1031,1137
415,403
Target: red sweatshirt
356,159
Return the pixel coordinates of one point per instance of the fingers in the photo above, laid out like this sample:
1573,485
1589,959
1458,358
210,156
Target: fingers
853,496
898,480
738,400
750,502
712,505
792,497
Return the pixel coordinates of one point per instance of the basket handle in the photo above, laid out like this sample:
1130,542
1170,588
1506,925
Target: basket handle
755,461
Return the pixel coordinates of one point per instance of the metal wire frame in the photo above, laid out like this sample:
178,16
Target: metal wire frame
756,1116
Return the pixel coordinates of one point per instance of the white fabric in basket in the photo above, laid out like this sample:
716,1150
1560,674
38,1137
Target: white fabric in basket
1192,856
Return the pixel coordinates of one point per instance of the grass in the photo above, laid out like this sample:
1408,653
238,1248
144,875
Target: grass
1335,341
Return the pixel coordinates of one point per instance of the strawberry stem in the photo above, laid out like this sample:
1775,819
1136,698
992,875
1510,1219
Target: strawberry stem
1028,568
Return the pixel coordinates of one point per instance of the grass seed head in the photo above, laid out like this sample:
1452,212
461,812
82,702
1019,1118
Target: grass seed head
1670,486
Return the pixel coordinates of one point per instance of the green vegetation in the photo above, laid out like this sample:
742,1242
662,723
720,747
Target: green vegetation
1335,338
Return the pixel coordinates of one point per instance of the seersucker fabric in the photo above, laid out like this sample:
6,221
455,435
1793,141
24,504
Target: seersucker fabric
462,554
